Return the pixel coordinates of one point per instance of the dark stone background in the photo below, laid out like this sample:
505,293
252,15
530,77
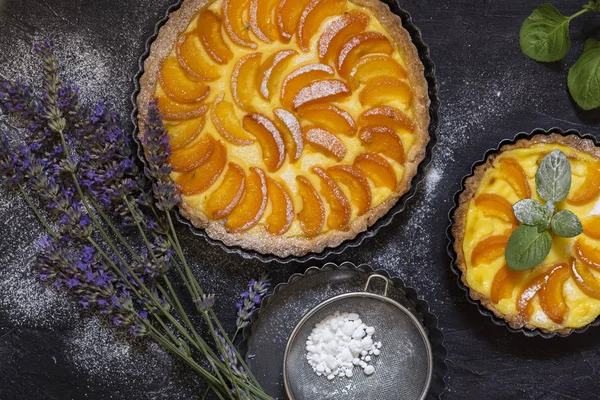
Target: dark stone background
489,92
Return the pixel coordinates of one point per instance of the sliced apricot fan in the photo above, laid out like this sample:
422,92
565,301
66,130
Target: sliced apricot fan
300,78
385,90
586,280
191,57
587,253
504,283
282,208
235,23
178,85
375,66
552,300
325,142
288,15
291,131
339,31
227,124
360,45
591,227
353,179
188,158
172,110
222,201
488,250
202,177
377,168
248,212
312,215
313,16
184,132
524,298
514,174
321,91
589,189
209,31
386,116
383,140
269,72
243,80
495,206
268,137
329,116
339,206
261,19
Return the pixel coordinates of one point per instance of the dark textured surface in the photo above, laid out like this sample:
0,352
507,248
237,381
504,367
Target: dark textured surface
489,92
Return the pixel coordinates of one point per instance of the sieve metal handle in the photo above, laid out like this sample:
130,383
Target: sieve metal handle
387,282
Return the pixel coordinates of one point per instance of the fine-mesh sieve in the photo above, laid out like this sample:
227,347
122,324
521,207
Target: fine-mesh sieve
402,371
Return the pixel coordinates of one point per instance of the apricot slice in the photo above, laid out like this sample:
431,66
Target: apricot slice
504,283
243,80
320,91
587,253
312,215
339,31
182,133
222,201
262,21
495,206
386,116
383,140
375,66
313,16
359,45
514,174
269,72
385,90
489,249
340,210
188,158
589,189
288,15
291,131
172,110
209,31
526,295
202,177
235,23
227,124
176,83
329,116
192,59
586,280
248,212
353,179
552,300
377,169
301,77
282,208
591,226
325,142
268,137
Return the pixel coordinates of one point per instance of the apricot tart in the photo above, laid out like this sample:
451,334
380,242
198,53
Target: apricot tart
294,124
563,292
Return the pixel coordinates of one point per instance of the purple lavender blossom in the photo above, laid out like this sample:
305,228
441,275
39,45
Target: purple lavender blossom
250,299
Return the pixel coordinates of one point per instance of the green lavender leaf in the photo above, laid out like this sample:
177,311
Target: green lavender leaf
531,212
544,34
566,224
584,77
553,177
527,248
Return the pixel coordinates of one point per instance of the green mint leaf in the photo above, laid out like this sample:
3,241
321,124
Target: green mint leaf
544,35
584,77
550,207
527,248
553,177
532,212
566,224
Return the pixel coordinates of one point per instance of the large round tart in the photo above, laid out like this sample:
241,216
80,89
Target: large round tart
294,124
563,292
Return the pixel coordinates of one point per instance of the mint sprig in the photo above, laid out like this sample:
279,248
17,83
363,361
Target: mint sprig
530,243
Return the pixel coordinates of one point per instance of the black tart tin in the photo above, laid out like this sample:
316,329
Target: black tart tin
424,55
450,249
265,339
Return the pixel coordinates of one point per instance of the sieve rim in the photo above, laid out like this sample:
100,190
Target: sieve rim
375,296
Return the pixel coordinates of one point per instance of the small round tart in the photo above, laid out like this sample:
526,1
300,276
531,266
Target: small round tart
563,292
294,124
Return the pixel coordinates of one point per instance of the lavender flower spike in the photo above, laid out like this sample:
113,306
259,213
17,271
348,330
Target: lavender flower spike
250,299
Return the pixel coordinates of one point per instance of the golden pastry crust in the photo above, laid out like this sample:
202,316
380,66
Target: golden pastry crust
262,241
471,186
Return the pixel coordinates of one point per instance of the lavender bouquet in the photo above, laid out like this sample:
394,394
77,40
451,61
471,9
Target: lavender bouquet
75,168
